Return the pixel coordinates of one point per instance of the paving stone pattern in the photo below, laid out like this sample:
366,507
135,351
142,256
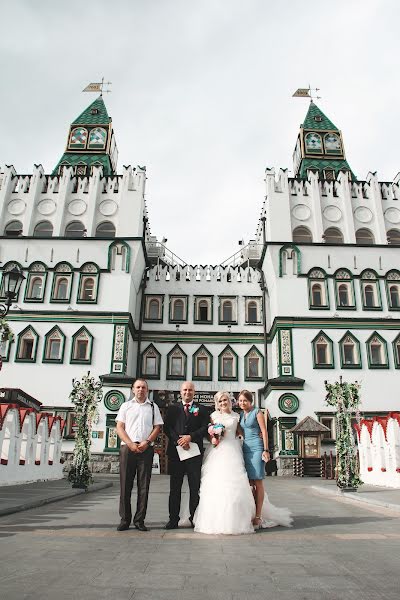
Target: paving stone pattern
337,550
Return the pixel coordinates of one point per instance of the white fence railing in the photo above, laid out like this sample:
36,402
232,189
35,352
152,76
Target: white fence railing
379,450
30,445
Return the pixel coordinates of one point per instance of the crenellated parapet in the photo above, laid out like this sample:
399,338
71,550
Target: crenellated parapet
203,273
379,450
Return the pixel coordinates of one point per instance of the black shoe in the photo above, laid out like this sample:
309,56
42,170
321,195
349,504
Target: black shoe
191,522
122,527
141,526
171,525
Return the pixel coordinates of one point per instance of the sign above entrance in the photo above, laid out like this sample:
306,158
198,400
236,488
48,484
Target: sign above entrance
167,397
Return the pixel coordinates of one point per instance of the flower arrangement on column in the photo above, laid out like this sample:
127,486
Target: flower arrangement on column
85,396
345,397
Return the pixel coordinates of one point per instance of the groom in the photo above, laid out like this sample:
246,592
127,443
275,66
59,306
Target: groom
184,423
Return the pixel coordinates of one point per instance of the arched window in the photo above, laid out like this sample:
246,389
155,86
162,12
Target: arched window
62,283
13,229
88,288
82,345
105,230
97,138
318,291
313,143
377,352
227,364
350,351
227,311
54,346
343,293
176,363
151,360
316,294
78,138
88,283
364,237
394,294
396,351
43,229
202,364
27,345
75,229
332,143
369,297
253,364
393,237
302,234
344,287
323,351
333,235
370,290
203,313
252,311
153,308
35,284
178,309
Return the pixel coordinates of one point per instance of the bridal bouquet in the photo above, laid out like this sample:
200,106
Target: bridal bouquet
216,432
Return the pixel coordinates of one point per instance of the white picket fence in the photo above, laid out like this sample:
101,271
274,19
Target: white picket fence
379,450
30,444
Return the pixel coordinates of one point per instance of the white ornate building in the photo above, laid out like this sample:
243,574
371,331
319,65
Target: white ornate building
316,294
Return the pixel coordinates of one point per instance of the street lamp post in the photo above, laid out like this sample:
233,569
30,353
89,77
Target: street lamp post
11,283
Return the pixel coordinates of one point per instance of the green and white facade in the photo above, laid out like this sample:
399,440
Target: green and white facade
314,296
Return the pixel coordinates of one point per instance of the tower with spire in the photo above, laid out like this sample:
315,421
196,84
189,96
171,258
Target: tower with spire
91,142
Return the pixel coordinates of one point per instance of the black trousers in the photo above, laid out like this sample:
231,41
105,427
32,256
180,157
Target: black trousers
131,465
177,470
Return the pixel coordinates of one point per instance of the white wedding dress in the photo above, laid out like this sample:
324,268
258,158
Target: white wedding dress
226,500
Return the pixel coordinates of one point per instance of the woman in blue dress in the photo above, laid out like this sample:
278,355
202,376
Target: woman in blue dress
255,449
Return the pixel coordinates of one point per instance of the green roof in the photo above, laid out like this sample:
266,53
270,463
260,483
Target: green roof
87,159
311,123
87,118
318,163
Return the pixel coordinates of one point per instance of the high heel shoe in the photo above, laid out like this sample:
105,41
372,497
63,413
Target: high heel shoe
257,522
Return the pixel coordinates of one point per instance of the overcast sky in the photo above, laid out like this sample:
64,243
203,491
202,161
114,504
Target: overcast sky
201,95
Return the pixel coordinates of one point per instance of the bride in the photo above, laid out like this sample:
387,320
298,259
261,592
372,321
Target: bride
226,499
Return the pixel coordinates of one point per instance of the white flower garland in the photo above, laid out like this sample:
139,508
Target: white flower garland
85,396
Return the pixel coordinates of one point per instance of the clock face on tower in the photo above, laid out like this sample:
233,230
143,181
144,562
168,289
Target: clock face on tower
313,143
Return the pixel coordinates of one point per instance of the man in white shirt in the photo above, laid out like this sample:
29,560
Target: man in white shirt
138,425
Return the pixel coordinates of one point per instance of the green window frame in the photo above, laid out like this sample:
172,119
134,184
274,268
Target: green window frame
200,303
151,356
112,441
373,342
392,284
88,286
119,248
369,284
228,363
55,334
173,303
175,357
320,339
25,347
396,351
202,357
345,343
62,271
253,355
317,277
81,338
345,298
37,271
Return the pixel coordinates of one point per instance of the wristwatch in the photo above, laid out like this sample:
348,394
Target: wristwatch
150,443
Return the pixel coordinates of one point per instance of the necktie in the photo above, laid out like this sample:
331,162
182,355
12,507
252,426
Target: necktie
186,409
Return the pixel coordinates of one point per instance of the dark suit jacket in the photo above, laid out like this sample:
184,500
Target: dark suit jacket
177,423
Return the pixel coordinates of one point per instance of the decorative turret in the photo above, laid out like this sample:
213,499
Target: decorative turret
91,142
320,147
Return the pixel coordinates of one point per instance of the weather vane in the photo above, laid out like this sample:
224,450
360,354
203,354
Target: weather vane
98,87
307,93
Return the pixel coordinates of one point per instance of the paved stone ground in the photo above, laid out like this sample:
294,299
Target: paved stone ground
337,550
